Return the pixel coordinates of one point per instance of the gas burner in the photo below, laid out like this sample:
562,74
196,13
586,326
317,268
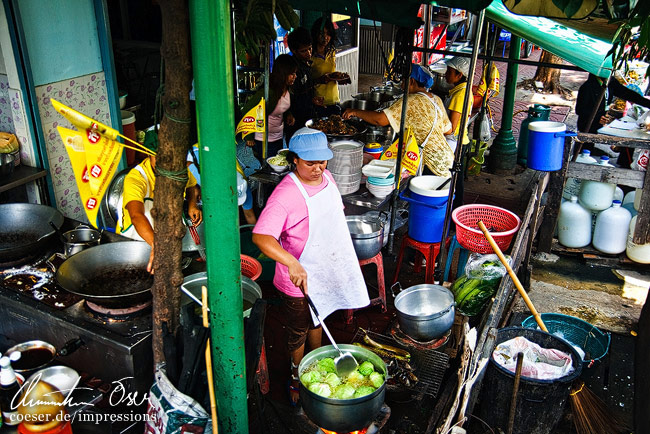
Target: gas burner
401,337
122,314
377,426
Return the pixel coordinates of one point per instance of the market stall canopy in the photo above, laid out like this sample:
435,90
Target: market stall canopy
402,13
573,9
584,43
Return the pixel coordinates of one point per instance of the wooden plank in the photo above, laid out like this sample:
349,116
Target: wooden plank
555,187
642,230
611,175
614,141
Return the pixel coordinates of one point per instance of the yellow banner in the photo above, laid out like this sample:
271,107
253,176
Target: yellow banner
253,121
94,160
411,154
83,122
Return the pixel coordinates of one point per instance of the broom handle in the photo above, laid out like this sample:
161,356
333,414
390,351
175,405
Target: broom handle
513,276
208,362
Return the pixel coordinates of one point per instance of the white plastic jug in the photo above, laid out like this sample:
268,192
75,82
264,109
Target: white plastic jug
619,194
596,195
572,185
574,224
612,227
637,252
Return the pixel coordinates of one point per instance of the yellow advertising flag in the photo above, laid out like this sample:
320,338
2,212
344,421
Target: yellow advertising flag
411,158
83,122
253,121
93,182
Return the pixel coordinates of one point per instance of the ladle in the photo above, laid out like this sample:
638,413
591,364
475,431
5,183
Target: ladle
345,361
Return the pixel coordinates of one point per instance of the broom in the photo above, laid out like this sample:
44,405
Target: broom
591,415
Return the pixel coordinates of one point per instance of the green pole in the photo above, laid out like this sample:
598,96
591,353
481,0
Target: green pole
503,152
213,79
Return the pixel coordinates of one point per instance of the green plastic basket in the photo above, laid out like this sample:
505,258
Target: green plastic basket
577,332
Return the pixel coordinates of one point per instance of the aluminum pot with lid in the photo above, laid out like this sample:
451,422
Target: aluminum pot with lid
342,415
80,238
367,235
425,312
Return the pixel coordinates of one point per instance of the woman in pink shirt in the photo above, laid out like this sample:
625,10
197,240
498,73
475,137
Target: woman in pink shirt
303,228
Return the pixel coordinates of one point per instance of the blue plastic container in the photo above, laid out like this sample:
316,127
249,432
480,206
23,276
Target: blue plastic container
427,208
546,145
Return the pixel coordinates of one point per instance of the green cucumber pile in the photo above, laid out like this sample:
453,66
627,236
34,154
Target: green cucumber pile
474,289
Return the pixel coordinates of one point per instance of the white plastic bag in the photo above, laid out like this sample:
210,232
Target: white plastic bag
172,412
539,363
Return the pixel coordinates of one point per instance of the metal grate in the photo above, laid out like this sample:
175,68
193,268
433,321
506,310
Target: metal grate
429,365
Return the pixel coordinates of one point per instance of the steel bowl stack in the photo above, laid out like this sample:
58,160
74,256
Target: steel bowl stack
346,164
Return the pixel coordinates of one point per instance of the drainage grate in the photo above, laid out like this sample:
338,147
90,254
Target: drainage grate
429,365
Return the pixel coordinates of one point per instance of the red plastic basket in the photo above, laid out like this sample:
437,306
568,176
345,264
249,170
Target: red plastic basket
501,223
250,267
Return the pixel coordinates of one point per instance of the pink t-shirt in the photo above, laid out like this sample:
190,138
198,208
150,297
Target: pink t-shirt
285,218
276,119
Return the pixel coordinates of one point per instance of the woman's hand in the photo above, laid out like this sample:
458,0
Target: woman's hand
604,120
349,113
298,275
290,119
250,143
318,100
150,263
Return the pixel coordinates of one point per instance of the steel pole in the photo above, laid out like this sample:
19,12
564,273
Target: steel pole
213,79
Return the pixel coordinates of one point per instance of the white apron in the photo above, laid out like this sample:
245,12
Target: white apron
130,232
334,278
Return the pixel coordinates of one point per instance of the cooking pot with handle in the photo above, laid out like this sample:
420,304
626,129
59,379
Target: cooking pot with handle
37,354
25,229
80,238
112,275
425,312
342,415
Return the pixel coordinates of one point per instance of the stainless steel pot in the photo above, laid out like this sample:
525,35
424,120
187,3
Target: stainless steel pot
38,354
80,238
364,104
193,283
342,415
367,235
425,312
391,91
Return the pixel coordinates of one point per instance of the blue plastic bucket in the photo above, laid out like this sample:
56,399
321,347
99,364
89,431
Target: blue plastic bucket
546,145
427,208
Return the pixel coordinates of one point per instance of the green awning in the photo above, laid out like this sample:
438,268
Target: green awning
584,43
399,12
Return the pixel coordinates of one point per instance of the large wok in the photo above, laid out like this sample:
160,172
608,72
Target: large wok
25,229
112,275
359,125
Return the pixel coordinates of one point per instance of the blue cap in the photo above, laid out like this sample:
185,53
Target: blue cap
421,75
310,145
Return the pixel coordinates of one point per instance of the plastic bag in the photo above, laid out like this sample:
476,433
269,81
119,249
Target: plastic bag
478,285
172,412
485,129
539,363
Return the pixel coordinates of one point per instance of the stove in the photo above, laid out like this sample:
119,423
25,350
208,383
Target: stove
117,346
378,426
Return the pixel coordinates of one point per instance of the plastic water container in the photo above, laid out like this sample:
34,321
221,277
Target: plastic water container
546,145
637,252
596,195
619,194
612,227
574,224
427,208
572,186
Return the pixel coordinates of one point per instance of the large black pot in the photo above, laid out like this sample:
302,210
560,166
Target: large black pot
110,275
342,415
25,229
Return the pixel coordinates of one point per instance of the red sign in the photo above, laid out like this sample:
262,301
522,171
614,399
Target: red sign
93,136
411,155
84,176
96,171
248,119
91,203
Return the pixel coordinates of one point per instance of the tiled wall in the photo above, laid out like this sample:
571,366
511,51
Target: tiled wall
86,94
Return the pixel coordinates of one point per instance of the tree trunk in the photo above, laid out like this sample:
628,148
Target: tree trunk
549,76
174,136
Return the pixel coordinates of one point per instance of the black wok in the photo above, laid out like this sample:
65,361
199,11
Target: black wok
25,229
112,275
357,124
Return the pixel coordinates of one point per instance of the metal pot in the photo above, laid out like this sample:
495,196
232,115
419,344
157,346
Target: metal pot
425,312
391,91
188,244
25,229
112,275
193,283
38,354
367,235
6,165
342,415
364,104
400,220
80,238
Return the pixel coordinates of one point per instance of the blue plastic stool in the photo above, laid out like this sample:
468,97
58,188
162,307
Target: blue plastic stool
463,255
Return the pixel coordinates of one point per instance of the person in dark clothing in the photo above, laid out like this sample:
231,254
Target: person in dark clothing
588,99
303,100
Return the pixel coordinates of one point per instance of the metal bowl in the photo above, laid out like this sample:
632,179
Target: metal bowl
367,235
426,311
192,284
63,378
342,415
